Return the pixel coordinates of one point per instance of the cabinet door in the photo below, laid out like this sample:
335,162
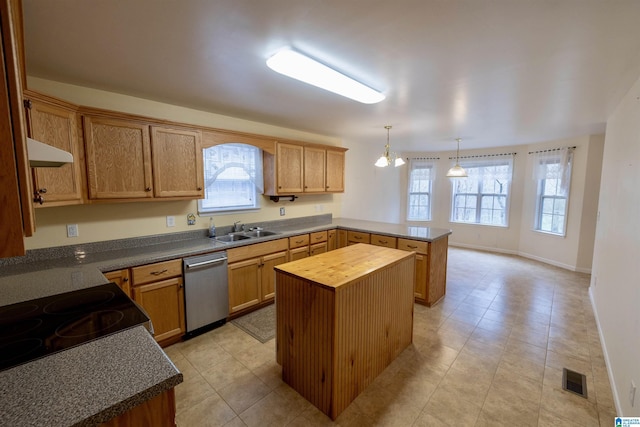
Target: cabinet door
56,125
343,239
335,171
318,248
420,289
298,253
15,180
289,168
244,285
164,303
177,163
268,276
118,158
332,240
314,170
120,278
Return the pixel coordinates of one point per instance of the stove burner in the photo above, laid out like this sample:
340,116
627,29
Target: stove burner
21,327
14,312
90,325
16,350
79,303
41,327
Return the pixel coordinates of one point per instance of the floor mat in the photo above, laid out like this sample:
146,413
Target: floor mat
260,324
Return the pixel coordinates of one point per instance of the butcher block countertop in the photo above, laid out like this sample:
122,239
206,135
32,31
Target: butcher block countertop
343,266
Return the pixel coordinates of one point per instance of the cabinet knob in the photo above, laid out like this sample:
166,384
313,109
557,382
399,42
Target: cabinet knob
37,197
147,189
199,188
125,279
42,190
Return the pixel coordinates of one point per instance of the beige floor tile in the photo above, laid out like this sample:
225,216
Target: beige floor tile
446,408
191,392
243,392
567,406
210,412
225,373
275,409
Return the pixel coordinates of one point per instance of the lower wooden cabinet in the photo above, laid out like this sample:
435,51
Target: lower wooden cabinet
164,303
159,411
332,240
298,247
120,278
250,273
431,268
354,237
159,290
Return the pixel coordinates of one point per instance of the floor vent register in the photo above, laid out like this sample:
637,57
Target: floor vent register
574,382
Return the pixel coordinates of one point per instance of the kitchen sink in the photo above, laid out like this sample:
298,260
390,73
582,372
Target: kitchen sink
232,237
259,233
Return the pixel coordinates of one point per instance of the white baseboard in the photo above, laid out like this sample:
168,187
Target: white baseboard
522,254
612,382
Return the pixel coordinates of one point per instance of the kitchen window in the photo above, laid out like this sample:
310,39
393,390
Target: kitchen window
232,178
483,197
421,174
552,170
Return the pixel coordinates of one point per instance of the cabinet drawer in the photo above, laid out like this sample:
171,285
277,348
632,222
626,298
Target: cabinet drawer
386,241
413,245
317,237
158,271
298,241
358,237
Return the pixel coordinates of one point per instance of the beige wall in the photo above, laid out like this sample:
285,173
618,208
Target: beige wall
380,194
122,220
615,281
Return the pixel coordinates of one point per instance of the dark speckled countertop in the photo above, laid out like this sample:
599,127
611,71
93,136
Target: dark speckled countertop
96,381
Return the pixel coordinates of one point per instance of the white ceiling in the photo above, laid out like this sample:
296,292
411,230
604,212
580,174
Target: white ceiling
493,72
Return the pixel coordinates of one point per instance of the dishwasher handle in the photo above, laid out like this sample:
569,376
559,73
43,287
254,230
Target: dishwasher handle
208,262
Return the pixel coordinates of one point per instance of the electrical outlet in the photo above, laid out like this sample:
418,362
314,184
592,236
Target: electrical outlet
282,211
632,393
72,230
171,221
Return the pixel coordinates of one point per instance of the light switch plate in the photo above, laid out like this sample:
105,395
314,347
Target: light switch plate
171,221
72,230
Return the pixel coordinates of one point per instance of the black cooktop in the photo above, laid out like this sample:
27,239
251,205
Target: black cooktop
37,328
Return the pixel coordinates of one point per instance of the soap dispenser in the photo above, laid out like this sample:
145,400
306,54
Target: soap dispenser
212,228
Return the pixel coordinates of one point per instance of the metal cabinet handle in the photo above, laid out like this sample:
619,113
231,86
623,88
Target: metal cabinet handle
157,273
412,247
384,242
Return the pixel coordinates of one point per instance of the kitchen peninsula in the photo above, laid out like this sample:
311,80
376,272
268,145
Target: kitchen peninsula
342,318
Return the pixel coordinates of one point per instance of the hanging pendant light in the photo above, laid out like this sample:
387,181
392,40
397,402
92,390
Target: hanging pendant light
385,160
457,171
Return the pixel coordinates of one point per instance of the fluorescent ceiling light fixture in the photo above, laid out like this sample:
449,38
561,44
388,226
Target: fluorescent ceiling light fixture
300,67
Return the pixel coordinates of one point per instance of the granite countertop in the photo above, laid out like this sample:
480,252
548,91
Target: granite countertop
96,381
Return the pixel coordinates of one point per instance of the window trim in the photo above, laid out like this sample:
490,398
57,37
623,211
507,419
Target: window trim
537,220
205,211
420,164
483,163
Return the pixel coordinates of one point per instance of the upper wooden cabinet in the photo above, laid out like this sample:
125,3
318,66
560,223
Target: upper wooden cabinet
118,158
335,171
304,168
129,159
15,180
177,163
289,169
314,169
54,122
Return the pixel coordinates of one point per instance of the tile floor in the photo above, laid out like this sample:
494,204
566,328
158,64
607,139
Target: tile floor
490,354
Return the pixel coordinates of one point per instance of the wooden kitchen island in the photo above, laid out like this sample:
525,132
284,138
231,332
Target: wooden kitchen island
342,318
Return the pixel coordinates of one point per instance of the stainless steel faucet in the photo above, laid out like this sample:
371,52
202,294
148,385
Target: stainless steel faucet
236,228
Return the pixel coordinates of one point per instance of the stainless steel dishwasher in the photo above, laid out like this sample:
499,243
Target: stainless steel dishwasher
206,293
